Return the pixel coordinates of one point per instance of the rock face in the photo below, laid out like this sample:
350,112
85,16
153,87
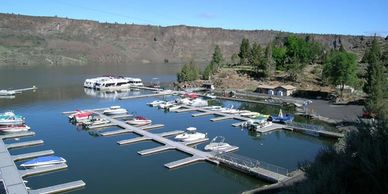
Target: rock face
27,40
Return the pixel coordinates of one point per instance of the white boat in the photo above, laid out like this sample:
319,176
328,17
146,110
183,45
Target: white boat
211,96
10,118
93,121
91,83
137,82
112,84
230,111
7,93
167,105
14,128
199,102
191,134
139,120
115,110
217,144
185,101
43,161
156,102
256,124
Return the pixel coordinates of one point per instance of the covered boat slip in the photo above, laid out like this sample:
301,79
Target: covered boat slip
13,177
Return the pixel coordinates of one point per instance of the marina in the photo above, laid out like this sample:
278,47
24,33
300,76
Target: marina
90,143
196,155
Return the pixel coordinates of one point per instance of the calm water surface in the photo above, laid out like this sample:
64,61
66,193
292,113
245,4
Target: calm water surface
109,168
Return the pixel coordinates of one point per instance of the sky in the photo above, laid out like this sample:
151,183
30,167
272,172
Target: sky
355,17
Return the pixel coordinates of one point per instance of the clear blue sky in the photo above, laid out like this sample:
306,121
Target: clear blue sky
360,17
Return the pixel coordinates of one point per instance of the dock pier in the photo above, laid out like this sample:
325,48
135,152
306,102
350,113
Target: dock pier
12,177
185,147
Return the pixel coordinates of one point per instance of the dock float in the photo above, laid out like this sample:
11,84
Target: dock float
184,161
221,118
133,140
185,110
155,150
59,188
147,127
144,96
32,155
24,144
237,124
116,132
101,126
41,170
195,142
202,114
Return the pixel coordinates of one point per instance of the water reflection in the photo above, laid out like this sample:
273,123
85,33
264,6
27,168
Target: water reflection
109,94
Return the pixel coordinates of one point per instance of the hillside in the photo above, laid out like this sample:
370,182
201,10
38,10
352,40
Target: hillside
28,40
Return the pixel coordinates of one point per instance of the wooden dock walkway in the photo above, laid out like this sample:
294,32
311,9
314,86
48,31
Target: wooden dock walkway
13,177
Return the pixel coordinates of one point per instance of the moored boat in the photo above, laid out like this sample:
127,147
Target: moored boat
280,118
115,110
14,128
139,120
156,102
80,116
10,118
217,144
43,162
256,124
191,134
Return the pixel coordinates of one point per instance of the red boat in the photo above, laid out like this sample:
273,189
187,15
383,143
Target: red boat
191,95
80,116
139,120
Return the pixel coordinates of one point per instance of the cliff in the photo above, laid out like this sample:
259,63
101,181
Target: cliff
28,40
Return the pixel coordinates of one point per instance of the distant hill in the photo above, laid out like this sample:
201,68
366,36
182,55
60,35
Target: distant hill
29,40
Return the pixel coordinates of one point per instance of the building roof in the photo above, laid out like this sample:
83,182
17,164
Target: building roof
266,86
287,87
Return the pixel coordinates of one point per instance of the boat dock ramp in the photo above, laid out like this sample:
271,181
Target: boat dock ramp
186,147
12,177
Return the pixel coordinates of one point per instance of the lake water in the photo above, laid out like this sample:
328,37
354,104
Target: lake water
109,168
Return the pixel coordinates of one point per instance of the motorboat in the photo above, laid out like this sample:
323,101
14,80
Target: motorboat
167,105
43,161
10,118
249,114
256,124
185,101
113,83
156,102
199,102
80,116
7,93
94,121
191,134
280,118
91,83
115,110
230,111
139,120
211,96
217,144
191,95
213,107
136,82
14,128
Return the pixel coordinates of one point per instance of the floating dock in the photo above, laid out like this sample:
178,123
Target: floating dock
13,177
168,144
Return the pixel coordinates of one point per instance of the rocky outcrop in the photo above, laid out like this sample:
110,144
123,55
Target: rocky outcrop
27,40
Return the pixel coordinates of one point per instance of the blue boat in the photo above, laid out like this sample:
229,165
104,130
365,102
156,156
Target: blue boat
280,118
43,161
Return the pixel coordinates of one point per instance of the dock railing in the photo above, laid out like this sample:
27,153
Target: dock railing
249,164
306,126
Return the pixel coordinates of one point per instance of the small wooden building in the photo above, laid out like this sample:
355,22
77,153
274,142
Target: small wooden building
278,90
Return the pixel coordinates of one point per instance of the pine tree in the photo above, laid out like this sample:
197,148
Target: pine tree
244,51
255,58
375,77
215,63
269,64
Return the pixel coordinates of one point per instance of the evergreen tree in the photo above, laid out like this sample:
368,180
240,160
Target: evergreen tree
189,72
255,58
375,77
244,51
268,61
215,63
